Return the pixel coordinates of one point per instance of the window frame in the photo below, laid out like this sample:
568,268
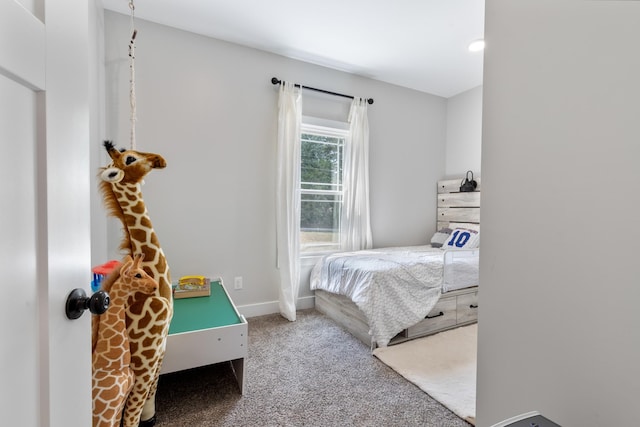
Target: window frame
330,128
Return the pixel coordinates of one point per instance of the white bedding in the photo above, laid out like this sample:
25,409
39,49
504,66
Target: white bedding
460,269
394,287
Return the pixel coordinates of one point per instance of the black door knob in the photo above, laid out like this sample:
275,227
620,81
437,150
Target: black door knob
78,302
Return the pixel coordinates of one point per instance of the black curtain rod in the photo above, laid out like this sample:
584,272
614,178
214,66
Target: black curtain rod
275,81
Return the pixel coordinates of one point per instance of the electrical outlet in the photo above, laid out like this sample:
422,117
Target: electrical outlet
237,283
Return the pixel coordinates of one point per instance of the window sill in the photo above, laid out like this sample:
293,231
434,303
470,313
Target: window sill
307,260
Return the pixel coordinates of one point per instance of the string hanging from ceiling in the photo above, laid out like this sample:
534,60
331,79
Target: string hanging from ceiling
132,75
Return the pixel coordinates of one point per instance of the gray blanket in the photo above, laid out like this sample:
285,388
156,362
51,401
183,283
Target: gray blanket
394,287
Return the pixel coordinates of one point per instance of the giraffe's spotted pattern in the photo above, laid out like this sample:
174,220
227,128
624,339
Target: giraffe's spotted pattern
113,378
147,317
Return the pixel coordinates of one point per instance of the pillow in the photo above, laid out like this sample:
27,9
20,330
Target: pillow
462,238
440,237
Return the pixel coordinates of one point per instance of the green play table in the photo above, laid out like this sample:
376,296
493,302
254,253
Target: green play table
192,314
206,330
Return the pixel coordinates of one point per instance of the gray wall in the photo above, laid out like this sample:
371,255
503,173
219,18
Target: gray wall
208,106
558,320
464,133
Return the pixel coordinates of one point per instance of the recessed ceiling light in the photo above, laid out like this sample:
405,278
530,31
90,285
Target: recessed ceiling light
476,45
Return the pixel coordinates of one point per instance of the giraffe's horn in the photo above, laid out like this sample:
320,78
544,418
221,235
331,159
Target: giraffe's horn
108,145
138,259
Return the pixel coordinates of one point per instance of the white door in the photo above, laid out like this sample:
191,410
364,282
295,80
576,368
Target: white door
45,364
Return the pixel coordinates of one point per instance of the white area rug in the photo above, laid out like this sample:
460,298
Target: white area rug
443,365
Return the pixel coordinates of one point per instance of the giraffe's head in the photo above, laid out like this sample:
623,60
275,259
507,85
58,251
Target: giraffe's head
129,166
134,276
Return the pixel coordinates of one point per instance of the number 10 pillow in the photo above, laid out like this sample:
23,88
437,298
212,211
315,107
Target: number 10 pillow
462,238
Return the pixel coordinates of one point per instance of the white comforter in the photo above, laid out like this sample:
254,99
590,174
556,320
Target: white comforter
394,287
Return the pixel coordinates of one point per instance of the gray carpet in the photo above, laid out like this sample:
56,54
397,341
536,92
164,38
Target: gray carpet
304,373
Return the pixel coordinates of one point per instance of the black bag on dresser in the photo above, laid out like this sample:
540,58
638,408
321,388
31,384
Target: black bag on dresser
468,184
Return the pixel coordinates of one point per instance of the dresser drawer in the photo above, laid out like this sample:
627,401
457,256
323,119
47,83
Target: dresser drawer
442,316
467,307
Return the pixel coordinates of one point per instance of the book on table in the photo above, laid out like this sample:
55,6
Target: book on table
192,286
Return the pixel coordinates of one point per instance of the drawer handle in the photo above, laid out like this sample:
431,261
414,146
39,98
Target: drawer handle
473,306
435,315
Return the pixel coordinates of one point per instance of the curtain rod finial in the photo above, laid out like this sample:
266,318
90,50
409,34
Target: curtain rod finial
275,81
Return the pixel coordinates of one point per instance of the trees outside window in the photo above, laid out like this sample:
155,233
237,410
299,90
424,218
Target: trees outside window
321,164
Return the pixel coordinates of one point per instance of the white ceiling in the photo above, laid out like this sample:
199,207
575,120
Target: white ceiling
419,44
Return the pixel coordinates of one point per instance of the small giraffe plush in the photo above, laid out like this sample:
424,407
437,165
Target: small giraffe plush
113,377
148,316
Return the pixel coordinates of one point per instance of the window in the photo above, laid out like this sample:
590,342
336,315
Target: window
322,150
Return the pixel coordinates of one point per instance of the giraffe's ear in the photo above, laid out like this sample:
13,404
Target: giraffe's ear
112,174
126,266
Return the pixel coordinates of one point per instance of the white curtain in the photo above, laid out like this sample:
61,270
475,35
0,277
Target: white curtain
355,223
288,197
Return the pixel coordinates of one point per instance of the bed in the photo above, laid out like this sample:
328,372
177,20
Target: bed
389,295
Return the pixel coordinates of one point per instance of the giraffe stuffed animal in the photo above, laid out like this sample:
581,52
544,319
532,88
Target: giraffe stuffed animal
113,377
147,316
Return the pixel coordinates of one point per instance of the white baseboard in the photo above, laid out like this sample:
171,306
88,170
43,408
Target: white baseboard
271,307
